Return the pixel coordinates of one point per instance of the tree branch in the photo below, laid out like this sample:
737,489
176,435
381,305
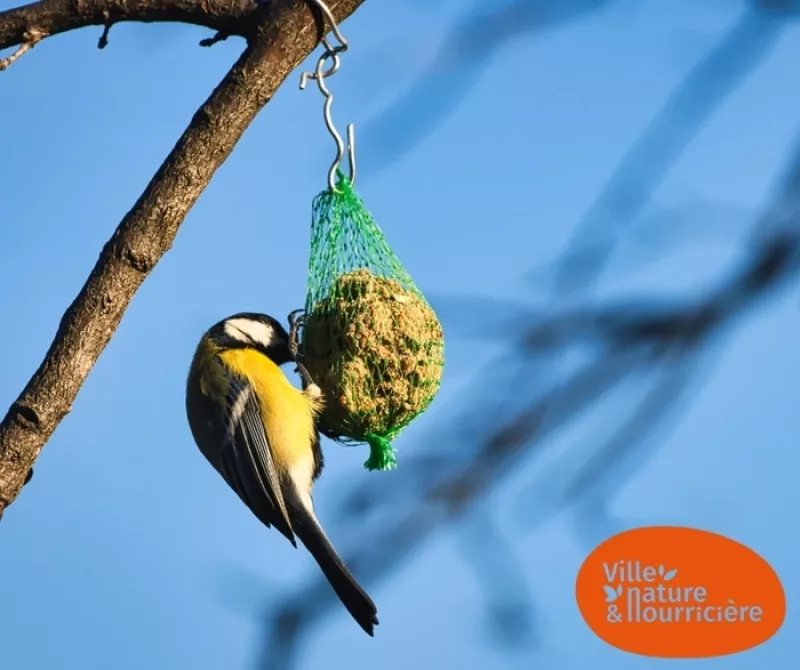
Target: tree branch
284,34
51,17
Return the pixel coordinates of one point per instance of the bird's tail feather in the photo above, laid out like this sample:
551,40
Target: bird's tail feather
353,597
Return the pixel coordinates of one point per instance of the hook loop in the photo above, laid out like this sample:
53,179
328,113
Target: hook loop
319,75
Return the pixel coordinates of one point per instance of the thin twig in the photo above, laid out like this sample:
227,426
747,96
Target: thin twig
211,41
102,43
31,38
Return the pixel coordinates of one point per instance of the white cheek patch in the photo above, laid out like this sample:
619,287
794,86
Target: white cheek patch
255,331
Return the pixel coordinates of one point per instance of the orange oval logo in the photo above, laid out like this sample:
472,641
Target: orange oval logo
674,592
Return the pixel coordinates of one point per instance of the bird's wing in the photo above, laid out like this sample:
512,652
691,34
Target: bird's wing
246,460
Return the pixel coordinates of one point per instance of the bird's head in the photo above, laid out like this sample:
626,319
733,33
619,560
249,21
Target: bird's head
254,331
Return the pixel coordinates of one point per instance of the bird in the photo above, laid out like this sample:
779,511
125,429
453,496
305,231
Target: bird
261,434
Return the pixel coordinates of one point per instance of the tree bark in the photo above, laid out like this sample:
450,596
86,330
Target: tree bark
51,17
281,33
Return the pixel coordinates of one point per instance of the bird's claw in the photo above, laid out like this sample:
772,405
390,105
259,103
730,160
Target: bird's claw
295,323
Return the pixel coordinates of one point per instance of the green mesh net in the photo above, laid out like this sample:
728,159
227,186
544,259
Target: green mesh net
371,341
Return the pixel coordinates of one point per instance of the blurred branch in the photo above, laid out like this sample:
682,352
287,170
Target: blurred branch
481,318
465,54
284,36
508,605
700,94
585,478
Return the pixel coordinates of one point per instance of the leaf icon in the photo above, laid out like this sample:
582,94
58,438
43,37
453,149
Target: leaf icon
661,570
611,594
670,574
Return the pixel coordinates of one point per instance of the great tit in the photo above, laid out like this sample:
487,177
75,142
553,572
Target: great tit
260,433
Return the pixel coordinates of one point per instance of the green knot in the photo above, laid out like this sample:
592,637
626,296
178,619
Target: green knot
343,183
381,453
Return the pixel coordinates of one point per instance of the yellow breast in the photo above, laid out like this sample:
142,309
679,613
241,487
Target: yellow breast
287,413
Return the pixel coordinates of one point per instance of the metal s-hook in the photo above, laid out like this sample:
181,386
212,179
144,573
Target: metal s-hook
320,74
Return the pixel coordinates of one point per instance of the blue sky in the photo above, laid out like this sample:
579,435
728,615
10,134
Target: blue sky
120,553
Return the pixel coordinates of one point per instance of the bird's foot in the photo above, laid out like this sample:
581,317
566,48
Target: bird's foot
295,323
297,320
